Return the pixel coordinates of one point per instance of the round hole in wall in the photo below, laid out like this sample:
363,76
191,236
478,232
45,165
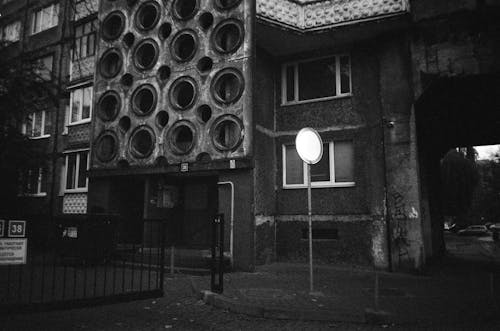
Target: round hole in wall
184,45
227,4
124,124
206,20
123,164
129,39
227,133
182,138
127,80
110,63
142,142
183,93
165,30
106,147
184,9
204,64
144,100
161,161
164,72
147,16
109,106
131,3
162,119
203,157
227,86
113,25
146,54
204,113
228,36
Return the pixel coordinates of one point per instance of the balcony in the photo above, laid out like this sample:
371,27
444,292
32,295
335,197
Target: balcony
82,68
306,15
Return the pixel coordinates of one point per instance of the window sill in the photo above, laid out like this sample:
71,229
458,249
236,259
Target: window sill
47,29
40,137
329,185
79,122
76,190
33,195
301,102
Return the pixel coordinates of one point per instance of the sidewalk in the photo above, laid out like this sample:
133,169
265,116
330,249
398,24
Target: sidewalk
446,296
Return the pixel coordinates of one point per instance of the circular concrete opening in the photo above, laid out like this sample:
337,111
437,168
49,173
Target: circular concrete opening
184,45
162,119
184,9
144,100
183,93
203,157
113,25
146,54
106,147
110,63
129,39
131,3
205,64
204,113
127,80
124,124
227,4
228,36
165,30
182,139
164,72
147,16
109,106
227,133
142,142
227,86
206,20
161,161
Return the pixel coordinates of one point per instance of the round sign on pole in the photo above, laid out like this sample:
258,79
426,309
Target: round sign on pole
309,145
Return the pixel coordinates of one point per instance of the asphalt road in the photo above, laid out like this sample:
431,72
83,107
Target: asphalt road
472,247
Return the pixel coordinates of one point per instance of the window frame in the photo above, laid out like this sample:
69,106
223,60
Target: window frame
38,11
296,80
77,171
43,134
77,41
39,193
80,107
315,184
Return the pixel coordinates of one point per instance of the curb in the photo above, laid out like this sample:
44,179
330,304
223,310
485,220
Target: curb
222,302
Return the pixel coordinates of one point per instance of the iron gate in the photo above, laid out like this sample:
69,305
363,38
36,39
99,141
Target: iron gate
84,260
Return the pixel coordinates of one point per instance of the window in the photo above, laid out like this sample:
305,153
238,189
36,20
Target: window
81,105
45,18
85,40
37,125
11,32
317,79
32,182
335,169
77,164
43,67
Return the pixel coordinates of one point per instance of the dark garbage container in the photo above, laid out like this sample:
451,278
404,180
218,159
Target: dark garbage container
86,238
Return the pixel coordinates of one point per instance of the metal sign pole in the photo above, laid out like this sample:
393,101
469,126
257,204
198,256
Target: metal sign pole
309,213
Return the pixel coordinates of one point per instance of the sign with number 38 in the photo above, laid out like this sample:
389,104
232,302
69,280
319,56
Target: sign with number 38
17,229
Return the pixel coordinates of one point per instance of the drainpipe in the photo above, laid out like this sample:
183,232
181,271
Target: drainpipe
231,226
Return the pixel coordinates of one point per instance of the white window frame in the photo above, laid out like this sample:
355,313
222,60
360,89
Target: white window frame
37,25
80,110
39,193
295,65
77,171
322,184
30,131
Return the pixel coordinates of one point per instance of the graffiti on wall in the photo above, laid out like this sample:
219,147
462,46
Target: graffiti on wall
400,229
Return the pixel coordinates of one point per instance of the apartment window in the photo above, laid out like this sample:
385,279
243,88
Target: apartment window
77,164
43,67
81,105
37,125
11,32
335,169
45,18
32,182
316,79
85,40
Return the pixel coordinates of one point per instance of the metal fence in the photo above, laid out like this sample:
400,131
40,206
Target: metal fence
84,260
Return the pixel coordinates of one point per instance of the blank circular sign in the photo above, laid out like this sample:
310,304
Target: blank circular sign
309,145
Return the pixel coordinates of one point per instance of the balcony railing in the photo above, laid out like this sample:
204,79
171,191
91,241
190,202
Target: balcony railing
314,14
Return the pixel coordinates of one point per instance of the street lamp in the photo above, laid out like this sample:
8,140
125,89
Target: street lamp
310,149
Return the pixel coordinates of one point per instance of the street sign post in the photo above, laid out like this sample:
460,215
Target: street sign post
310,149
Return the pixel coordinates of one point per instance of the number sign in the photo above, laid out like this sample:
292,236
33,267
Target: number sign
17,229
